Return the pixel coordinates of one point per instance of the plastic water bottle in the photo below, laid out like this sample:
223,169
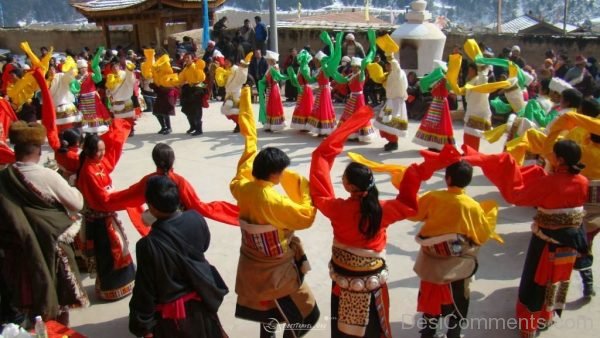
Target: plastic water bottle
40,328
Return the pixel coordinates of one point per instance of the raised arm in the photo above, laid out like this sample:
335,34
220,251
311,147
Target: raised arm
376,73
522,186
324,155
571,120
219,211
114,140
248,130
96,71
48,111
296,210
276,74
221,75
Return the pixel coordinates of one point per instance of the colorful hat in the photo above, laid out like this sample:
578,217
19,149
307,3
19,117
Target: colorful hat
356,62
320,55
271,55
441,64
81,63
559,85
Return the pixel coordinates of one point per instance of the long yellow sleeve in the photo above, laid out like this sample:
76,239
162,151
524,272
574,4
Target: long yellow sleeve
533,141
376,72
588,123
148,63
248,130
493,135
454,63
453,212
221,75
258,201
114,80
396,171
192,74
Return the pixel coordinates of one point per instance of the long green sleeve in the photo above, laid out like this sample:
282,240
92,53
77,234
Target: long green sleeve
294,79
262,113
276,75
305,71
96,72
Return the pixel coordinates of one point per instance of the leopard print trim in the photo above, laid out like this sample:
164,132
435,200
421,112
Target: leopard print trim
556,221
349,261
353,313
556,295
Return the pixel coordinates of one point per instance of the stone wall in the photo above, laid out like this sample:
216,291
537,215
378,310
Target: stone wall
61,39
532,47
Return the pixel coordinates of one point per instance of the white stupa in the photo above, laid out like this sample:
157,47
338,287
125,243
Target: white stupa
421,42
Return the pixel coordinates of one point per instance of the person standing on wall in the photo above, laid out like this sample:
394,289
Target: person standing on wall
261,34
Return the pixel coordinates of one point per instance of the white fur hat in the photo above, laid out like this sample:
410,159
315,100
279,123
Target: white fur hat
356,61
320,55
559,85
528,78
350,37
81,63
271,55
441,64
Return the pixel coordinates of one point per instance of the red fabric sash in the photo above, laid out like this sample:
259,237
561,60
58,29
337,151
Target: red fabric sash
176,309
118,244
432,297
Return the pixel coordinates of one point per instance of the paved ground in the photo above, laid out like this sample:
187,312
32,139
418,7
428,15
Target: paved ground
209,162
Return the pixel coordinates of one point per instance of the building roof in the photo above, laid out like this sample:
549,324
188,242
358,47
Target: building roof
91,6
527,23
345,17
336,21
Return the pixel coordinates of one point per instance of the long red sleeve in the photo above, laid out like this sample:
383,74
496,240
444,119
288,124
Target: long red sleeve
345,213
219,211
7,156
114,140
68,160
7,116
324,155
531,185
48,111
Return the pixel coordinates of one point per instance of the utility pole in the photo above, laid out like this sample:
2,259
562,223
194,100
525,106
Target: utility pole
273,22
2,14
565,14
499,18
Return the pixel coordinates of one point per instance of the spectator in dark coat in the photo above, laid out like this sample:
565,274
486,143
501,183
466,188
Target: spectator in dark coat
258,66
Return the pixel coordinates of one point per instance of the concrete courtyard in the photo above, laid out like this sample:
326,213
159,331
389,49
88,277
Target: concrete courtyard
209,162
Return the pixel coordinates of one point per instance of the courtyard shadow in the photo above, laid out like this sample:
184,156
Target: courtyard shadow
113,328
